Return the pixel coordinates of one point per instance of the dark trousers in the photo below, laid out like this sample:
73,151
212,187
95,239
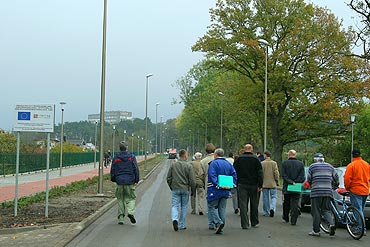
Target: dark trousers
248,194
290,207
320,207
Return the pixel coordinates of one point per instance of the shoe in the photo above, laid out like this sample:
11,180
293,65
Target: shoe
293,224
175,225
211,228
331,230
255,226
132,218
314,234
219,228
120,219
285,220
200,213
182,228
236,211
272,213
193,212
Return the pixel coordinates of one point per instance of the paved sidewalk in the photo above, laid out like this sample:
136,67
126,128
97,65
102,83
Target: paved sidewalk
35,182
57,235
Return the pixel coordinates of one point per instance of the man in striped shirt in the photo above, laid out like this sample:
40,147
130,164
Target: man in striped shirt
321,176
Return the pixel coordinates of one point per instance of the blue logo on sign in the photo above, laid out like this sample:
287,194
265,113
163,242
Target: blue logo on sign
24,115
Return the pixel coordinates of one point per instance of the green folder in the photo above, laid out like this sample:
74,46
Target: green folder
297,187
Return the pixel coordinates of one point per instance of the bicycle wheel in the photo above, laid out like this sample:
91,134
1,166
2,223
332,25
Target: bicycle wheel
354,222
324,225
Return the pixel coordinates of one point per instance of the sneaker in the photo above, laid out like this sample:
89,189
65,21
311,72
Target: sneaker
272,213
255,226
236,211
315,234
120,220
192,211
200,213
132,218
219,228
331,230
175,225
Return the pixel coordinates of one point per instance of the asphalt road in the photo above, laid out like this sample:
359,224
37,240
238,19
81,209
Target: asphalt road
154,226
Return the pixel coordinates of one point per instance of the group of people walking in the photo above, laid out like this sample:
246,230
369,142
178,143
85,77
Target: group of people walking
246,177
252,175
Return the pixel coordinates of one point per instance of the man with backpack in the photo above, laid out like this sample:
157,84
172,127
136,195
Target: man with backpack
125,172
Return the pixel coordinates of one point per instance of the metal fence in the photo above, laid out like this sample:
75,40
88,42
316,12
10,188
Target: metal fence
36,162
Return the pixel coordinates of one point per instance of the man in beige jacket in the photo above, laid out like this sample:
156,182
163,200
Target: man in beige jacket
199,185
270,182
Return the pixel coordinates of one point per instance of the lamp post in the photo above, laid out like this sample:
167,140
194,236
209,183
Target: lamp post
138,145
146,116
156,128
96,130
160,136
142,144
353,118
114,132
266,44
221,93
102,100
124,135
132,141
61,139
173,143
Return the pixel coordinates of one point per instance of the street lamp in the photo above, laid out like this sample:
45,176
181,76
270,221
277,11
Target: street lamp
142,144
124,135
221,93
114,132
96,130
156,128
146,116
61,139
173,142
102,99
266,44
138,145
353,118
160,136
132,142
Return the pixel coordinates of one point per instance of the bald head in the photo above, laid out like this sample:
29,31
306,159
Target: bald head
248,148
292,153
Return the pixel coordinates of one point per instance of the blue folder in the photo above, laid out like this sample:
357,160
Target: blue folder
225,181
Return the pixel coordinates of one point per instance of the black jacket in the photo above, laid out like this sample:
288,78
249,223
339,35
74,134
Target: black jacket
292,171
249,169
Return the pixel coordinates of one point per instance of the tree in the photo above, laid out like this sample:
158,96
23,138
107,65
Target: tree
312,80
362,8
8,142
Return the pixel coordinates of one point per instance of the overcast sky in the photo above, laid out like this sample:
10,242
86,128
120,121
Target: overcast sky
50,51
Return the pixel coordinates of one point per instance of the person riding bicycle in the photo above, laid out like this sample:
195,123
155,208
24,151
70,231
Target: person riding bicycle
107,158
321,177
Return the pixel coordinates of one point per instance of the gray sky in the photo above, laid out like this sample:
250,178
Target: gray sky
50,51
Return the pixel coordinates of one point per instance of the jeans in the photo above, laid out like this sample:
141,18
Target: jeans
267,204
180,199
320,206
358,202
217,211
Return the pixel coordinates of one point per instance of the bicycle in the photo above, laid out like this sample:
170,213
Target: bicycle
349,216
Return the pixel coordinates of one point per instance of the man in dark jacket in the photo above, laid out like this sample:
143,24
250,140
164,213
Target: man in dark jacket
250,178
292,171
125,172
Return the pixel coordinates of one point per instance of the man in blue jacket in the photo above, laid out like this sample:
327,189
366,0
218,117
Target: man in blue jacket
125,172
216,195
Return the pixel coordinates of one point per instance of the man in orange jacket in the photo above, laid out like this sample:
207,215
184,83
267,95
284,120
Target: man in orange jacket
357,180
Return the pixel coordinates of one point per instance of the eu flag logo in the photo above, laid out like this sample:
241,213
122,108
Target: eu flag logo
24,115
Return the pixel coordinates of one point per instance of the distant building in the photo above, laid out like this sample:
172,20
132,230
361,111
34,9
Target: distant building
110,116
